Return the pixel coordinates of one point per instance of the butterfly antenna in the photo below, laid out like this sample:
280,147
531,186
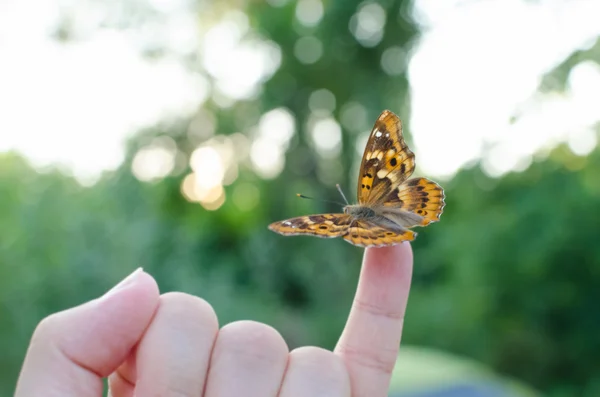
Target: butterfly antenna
311,198
339,188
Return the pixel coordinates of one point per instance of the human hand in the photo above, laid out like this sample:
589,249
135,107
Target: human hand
170,345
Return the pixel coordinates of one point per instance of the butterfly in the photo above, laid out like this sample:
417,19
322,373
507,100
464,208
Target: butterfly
389,203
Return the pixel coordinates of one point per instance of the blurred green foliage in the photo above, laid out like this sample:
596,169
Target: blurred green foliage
509,276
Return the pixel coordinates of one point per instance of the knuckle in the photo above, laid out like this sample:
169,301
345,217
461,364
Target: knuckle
252,339
316,371
381,360
378,311
319,360
315,356
193,308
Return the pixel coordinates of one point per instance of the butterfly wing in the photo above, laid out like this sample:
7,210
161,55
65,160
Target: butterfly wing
322,225
387,161
366,234
420,196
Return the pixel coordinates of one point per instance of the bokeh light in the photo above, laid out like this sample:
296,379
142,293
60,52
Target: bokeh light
326,135
267,158
321,102
368,23
236,60
155,161
393,61
308,49
353,117
309,12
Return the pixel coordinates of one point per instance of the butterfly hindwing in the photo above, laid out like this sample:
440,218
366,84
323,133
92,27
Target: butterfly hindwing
322,225
367,234
387,160
420,196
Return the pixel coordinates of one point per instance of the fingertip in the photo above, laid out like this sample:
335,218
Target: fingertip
75,348
401,249
138,287
385,264
118,319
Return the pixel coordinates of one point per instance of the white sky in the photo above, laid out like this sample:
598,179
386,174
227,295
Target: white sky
480,62
477,65
75,104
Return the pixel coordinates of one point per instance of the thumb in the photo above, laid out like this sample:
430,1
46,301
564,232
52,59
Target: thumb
72,351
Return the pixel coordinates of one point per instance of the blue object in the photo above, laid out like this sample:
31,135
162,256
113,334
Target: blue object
472,390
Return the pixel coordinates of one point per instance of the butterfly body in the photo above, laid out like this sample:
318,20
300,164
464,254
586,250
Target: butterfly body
389,203
360,211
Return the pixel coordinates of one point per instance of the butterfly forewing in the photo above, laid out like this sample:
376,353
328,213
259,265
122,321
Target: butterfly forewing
387,161
322,225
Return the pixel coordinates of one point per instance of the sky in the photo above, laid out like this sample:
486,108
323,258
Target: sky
476,66
462,110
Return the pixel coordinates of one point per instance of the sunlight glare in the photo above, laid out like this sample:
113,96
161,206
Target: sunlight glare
208,167
278,126
237,60
267,158
211,198
229,157
89,96
155,161
326,134
583,142
462,104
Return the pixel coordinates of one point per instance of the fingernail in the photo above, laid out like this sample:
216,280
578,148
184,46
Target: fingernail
126,281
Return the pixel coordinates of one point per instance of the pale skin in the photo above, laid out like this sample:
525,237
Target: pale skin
149,344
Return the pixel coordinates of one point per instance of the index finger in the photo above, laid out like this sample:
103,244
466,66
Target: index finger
370,341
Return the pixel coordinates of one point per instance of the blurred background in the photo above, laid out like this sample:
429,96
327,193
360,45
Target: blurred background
169,133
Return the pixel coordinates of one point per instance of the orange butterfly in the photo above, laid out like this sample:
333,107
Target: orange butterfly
388,202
